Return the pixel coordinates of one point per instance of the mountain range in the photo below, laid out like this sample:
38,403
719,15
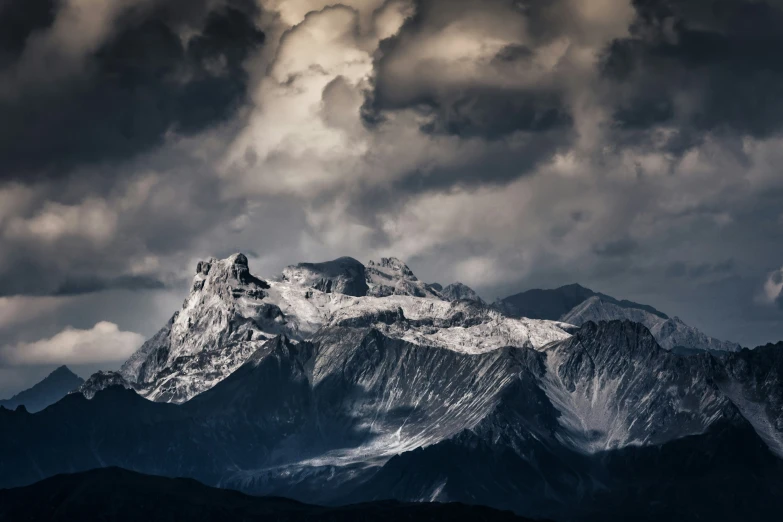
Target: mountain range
339,383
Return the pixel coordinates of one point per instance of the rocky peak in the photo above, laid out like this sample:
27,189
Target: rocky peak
391,276
458,291
345,275
228,277
392,265
221,323
100,381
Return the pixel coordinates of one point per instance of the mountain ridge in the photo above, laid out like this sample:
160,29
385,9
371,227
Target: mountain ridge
122,496
575,304
353,405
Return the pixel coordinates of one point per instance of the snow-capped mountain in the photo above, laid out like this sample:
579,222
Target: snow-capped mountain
353,414
294,386
230,313
577,305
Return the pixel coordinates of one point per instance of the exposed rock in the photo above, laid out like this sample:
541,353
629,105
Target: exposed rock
390,276
344,275
100,381
457,291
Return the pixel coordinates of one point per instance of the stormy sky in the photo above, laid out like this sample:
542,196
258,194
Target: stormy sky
633,146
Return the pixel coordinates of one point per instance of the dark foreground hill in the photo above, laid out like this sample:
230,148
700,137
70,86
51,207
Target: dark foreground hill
118,495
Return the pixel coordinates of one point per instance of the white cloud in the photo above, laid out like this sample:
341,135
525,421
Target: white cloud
92,219
102,343
773,287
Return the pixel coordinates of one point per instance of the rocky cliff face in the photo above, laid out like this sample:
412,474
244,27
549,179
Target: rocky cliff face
343,276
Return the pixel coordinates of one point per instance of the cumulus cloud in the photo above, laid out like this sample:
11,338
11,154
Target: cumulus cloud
103,343
773,288
504,144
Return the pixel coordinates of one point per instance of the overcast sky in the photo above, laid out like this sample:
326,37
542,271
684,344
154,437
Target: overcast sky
634,147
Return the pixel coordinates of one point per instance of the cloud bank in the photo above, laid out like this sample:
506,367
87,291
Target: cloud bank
103,343
630,146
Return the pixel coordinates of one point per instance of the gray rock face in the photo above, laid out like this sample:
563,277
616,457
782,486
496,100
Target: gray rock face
344,275
223,321
457,291
102,380
615,387
390,276
753,381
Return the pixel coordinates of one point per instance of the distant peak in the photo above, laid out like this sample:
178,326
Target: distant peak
63,370
238,259
574,286
458,291
394,264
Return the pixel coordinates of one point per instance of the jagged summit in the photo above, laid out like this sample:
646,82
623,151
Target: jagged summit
457,291
220,324
230,313
390,276
344,275
347,276
100,381
393,265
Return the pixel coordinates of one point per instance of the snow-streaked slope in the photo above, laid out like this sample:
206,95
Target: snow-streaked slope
614,386
674,333
753,381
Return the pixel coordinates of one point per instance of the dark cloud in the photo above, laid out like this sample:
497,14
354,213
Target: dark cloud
488,102
144,80
88,284
18,20
99,241
699,65
619,248
680,269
